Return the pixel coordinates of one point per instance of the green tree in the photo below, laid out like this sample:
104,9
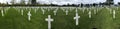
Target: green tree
22,2
13,1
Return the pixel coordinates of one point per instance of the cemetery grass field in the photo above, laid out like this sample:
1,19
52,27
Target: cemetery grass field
13,19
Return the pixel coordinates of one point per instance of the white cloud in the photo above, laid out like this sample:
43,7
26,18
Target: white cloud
116,1
62,2
4,1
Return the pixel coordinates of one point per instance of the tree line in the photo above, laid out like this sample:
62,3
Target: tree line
34,3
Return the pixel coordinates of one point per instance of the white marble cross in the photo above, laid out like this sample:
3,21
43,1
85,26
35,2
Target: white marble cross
76,18
29,15
5,10
55,11
97,10
94,11
21,12
18,9
35,10
83,10
117,8
48,9
49,21
76,10
113,13
63,9
110,11
71,9
2,12
88,9
66,12
43,10
89,14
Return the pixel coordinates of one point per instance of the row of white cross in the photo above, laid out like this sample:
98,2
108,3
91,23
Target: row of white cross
49,19
2,12
66,11
77,17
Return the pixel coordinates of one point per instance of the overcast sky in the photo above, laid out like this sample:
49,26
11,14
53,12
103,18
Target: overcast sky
62,2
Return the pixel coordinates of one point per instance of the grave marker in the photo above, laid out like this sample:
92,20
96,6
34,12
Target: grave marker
2,12
76,18
49,21
113,13
43,10
94,11
29,15
66,12
89,14
21,12
55,11
83,10
110,11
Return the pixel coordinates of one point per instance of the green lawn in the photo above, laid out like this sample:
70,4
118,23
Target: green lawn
101,20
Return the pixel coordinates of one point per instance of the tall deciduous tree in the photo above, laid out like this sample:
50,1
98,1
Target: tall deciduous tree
22,1
33,1
13,1
109,1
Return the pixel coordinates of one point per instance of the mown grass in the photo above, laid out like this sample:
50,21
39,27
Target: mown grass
101,20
